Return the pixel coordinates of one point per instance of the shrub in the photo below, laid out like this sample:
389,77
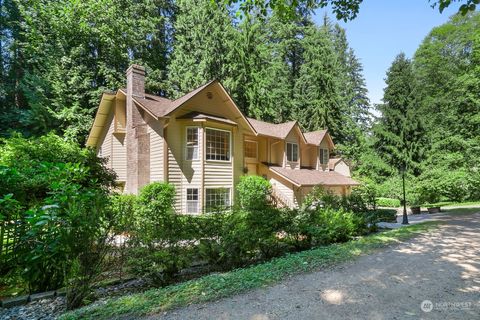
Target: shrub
123,207
159,253
29,166
321,226
253,192
67,237
388,202
381,215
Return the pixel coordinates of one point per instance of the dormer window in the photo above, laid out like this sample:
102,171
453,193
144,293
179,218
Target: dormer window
324,156
292,152
192,143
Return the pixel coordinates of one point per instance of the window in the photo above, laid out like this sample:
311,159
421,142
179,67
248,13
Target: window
217,199
217,145
292,152
192,144
324,156
192,200
250,149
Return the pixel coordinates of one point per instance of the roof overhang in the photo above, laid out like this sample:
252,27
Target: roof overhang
101,117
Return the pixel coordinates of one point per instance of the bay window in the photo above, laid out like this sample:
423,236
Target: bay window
217,145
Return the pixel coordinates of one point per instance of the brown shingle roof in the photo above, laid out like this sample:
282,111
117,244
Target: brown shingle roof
272,130
332,162
315,137
160,107
312,177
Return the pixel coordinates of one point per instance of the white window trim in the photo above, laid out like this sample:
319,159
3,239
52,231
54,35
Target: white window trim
229,146
320,155
198,144
229,196
256,146
286,152
190,201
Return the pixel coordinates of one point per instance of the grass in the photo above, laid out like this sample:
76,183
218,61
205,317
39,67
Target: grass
451,204
460,211
215,286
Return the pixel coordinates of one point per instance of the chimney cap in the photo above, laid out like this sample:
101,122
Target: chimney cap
136,68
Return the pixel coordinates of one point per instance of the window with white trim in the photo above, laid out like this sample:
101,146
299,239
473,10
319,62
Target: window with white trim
192,143
217,145
292,152
324,156
250,149
192,200
217,199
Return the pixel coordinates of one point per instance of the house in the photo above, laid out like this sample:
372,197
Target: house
202,144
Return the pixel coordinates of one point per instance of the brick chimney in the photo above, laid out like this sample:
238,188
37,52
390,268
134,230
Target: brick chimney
138,140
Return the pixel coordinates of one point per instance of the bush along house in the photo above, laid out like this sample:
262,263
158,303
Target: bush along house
202,144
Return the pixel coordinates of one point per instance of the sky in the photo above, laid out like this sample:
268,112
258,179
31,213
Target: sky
383,29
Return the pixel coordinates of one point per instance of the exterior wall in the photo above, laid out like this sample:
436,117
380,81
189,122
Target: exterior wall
119,156
113,147
342,168
283,190
155,131
175,161
204,174
323,145
309,156
293,138
105,147
277,152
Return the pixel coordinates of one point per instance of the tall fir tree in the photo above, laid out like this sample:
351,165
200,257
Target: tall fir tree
318,103
202,44
71,51
399,132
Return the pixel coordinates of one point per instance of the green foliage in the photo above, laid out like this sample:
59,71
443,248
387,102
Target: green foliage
381,215
253,192
29,167
219,285
159,253
66,238
388,202
123,207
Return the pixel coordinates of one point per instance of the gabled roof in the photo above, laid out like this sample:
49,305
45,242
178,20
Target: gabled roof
280,130
160,106
312,177
316,137
332,162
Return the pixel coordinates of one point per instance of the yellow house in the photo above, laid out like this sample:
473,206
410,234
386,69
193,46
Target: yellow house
202,144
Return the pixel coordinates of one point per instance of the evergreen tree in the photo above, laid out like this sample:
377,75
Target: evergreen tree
203,34
317,93
399,133
68,52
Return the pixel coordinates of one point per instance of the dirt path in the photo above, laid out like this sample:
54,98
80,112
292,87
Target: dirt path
442,266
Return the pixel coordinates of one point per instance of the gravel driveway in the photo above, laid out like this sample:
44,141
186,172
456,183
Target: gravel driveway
442,266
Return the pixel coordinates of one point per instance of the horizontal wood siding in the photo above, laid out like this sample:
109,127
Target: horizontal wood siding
155,129
106,146
119,156
174,161
284,189
218,174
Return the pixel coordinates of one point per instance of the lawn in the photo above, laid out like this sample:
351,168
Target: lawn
215,286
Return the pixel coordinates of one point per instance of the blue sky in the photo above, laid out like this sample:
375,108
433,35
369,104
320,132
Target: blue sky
384,28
